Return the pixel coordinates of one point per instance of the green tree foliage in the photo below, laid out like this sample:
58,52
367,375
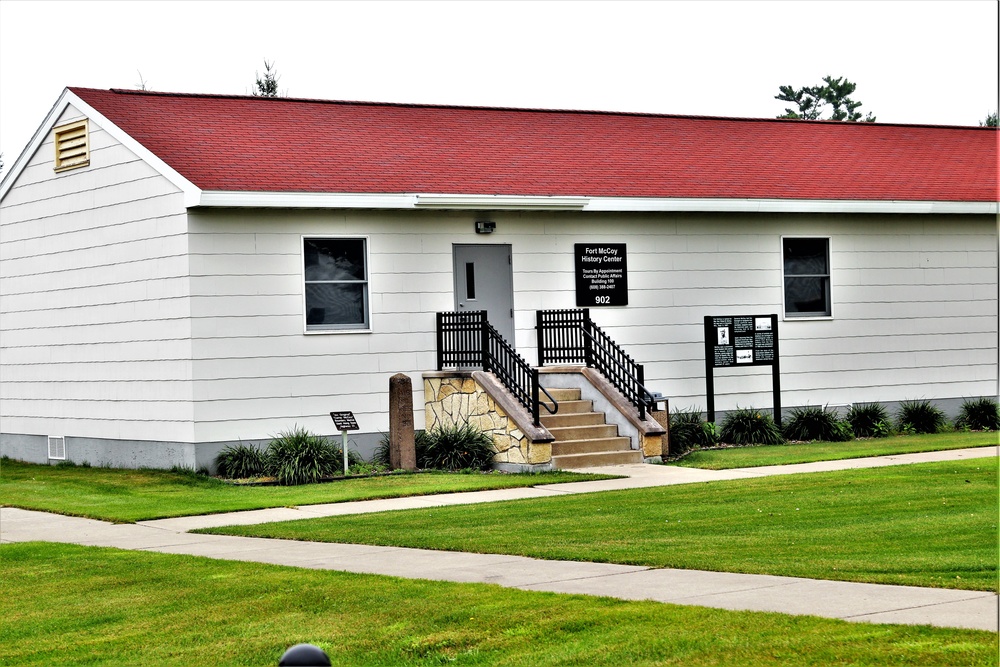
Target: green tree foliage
811,102
268,86
991,120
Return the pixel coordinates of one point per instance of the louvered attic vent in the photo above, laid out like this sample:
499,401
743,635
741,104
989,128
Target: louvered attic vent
72,145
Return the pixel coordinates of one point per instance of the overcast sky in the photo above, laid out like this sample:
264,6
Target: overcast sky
913,62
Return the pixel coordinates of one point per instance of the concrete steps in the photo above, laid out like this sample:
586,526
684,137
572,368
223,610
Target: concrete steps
583,439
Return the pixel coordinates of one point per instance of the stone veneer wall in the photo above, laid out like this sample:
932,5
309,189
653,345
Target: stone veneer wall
459,400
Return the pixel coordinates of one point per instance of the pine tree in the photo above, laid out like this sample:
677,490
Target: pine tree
268,86
812,101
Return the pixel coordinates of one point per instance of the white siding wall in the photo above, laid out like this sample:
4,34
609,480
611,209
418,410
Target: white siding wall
256,372
915,305
95,334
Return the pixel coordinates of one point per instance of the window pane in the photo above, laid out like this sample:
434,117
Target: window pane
807,296
336,305
470,280
335,259
806,257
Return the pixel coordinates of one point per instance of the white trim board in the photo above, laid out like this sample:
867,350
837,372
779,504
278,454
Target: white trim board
404,201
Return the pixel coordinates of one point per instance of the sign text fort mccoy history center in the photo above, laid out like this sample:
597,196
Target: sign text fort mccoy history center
601,274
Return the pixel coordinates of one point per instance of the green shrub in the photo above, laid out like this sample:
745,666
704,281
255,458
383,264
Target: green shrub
366,467
869,420
353,458
919,417
300,457
381,455
815,423
456,448
748,426
241,462
688,430
979,414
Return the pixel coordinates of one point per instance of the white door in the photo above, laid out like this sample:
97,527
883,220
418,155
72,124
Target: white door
484,280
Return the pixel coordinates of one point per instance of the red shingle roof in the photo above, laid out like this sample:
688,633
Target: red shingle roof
287,145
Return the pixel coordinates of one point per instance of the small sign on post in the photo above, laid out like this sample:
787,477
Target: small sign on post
345,422
742,340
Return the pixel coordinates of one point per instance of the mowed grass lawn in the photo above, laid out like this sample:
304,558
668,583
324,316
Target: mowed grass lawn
932,524
71,605
772,455
115,494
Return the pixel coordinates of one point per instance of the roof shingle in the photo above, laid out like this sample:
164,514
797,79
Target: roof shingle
255,144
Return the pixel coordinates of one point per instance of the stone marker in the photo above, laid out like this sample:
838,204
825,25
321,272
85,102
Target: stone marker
402,450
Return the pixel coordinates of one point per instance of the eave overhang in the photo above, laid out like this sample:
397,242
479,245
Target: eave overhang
434,201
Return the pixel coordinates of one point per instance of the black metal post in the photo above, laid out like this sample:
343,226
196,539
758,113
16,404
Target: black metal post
642,385
534,396
484,341
440,341
588,344
709,371
776,373
540,336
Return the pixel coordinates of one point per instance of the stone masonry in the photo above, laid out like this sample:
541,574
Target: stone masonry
459,400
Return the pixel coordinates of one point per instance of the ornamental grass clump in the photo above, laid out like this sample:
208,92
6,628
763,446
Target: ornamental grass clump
919,417
815,423
979,414
300,457
869,420
241,462
381,454
688,430
456,448
748,426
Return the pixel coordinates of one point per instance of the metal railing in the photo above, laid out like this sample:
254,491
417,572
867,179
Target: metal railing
571,337
466,339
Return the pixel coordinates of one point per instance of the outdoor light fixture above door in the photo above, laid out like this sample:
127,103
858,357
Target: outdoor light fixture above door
485,226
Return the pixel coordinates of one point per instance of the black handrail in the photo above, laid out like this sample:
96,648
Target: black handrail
466,339
570,336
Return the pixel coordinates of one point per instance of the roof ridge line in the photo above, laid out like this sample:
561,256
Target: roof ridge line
593,112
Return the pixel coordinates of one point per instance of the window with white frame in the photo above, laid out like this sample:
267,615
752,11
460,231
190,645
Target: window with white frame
335,271
806,275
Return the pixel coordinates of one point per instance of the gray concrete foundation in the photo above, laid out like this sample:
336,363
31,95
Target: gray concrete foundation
111,453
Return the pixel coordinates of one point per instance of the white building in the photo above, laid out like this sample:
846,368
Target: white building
179,272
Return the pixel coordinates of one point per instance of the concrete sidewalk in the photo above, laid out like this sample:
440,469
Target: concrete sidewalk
635,476
849,601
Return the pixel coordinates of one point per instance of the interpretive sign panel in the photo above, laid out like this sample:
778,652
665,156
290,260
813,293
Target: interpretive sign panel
733,341
601,274
344,421
741,340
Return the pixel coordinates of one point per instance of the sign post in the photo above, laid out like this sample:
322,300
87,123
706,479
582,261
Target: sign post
345,422
742,340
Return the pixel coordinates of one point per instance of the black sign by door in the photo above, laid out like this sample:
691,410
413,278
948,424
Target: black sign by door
601,274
